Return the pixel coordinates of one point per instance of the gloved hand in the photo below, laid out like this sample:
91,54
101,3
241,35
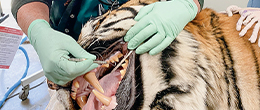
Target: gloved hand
162,21
53,48
232,9
249,16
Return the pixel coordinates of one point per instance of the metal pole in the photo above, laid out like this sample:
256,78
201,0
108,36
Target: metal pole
1,10
2,15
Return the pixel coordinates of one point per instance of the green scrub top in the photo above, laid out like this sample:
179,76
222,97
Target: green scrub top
70,17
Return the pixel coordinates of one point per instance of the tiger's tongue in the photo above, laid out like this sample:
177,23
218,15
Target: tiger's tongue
110,83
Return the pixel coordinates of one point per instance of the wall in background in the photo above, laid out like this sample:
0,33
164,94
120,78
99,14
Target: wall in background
221,5
218,5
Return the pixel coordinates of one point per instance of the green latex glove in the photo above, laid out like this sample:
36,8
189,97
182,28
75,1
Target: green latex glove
159,23
53,48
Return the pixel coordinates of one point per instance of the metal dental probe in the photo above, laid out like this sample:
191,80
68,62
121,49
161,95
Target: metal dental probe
82,59
122,61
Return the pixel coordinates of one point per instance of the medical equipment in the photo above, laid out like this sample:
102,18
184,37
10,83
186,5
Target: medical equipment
82,59
2,15
24,81
122,61
18,82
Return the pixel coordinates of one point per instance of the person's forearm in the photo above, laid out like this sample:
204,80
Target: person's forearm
198,4
30,12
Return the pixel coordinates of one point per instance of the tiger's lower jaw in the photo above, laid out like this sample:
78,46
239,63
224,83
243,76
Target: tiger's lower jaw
119,84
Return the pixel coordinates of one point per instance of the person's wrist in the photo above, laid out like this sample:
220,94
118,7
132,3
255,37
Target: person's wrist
198,5
37,23
193,8
190,6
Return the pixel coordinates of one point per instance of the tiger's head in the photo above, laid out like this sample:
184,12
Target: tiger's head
103,37
203,68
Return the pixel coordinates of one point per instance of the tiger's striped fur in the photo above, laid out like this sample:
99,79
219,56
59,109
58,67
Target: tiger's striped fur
207,66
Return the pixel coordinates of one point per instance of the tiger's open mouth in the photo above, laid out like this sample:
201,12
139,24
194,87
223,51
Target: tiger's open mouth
118,86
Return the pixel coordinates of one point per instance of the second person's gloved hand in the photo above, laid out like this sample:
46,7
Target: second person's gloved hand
53,48
249,16
162,21
232,9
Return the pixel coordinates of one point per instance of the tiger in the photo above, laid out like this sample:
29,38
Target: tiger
207,67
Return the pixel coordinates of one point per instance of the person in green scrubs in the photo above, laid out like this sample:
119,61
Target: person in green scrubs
53,26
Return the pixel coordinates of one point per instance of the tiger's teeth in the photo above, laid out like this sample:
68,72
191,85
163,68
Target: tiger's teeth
124,65
102,98
105,65
120,55
103,107
76,84
81,101
73,95
114,59
122,73
92,79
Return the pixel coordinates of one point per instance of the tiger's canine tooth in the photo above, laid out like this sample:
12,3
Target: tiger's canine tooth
92,79
102,98
81,101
